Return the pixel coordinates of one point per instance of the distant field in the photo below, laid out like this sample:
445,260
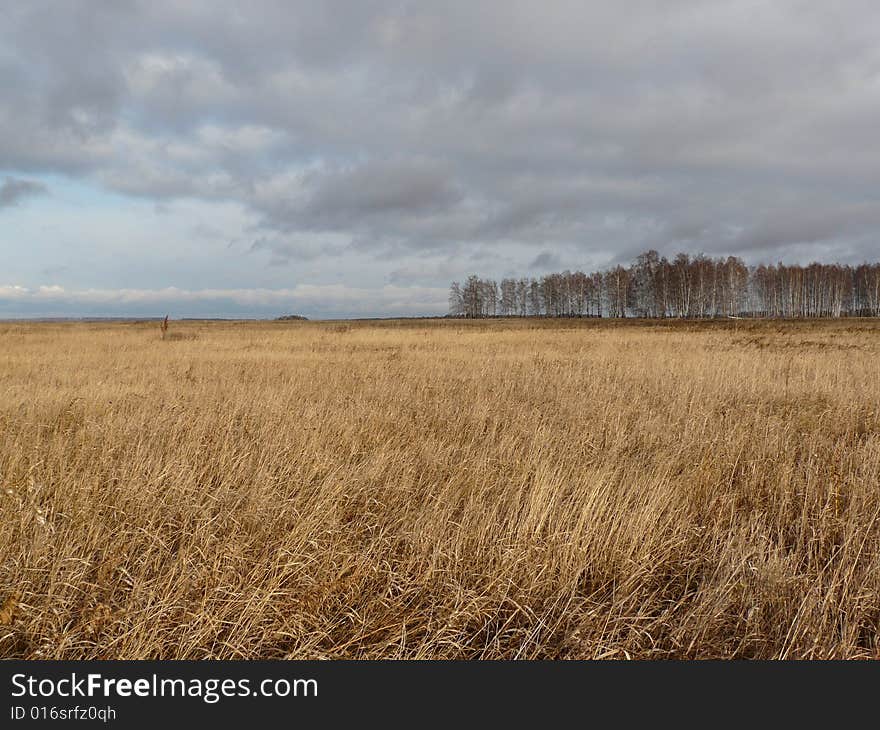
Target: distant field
431,489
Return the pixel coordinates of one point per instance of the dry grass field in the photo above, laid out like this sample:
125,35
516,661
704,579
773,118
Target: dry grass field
440,489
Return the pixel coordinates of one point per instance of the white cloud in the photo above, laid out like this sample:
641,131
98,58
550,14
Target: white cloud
10,291
320,300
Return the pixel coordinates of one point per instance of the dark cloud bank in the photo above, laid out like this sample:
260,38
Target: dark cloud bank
574,134
14,190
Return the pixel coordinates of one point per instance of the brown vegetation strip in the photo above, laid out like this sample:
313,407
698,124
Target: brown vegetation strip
524,489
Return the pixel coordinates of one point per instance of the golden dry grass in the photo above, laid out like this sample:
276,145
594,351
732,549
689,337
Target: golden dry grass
440,489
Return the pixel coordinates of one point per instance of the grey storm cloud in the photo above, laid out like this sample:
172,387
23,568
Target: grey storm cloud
13,190
575,131
545,260
373,197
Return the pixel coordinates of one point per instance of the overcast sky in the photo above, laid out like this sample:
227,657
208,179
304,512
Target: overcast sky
351,158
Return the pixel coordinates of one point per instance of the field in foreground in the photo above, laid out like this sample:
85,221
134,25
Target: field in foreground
530,489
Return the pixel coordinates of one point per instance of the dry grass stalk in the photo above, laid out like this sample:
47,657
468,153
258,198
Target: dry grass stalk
7,610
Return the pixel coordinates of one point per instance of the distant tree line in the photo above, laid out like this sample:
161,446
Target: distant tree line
685,287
